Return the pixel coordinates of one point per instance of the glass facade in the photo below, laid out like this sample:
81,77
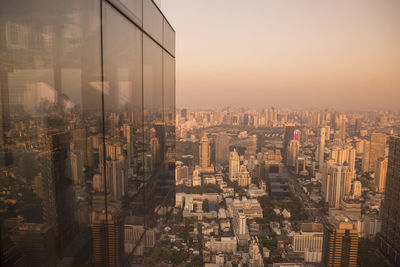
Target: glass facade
87,131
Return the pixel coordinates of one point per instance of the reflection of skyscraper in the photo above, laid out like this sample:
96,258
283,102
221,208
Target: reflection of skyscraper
106,240
222,148
36,241
155,149
234,165
58,197
116,176
204,152
76,166
389,241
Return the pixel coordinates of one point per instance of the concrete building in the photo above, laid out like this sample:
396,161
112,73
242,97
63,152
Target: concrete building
244,176
340,242
222,149
310,237
321,147
204,152
234,166
380,175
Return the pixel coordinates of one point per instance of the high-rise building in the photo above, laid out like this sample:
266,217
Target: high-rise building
389,239
342,126
340,242
222,149
292,152
252,147
239,223
338,184
376,150
204,152
321,147
366,145
380,175
234,165
288,134
106,238
244,176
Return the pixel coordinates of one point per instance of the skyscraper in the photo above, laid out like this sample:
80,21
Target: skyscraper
389,239
244,176
222,149
252,147
292,152
340,242
234,165
376,150
321,147
380,175
338,184
288,134
204,152
106,238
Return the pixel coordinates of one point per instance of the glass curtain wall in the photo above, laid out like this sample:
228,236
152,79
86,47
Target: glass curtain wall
87,131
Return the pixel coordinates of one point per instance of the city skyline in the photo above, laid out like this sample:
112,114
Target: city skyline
255,167
303,54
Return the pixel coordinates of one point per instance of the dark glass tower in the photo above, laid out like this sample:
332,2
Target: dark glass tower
389,238
87,130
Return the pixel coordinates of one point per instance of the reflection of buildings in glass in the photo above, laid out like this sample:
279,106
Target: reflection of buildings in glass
75,127
58,204
106,238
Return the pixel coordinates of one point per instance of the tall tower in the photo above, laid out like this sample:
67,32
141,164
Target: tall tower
365,158
377,149
222,148
380,174
252,147
244,176
340,243
342,126
288,133
322,135
389,241
338,184
293,152
234,165
204,152
106,240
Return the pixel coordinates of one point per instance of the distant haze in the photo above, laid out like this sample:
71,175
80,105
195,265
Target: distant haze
292,53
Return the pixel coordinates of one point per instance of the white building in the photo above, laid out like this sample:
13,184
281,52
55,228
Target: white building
310,237
239,223
234,165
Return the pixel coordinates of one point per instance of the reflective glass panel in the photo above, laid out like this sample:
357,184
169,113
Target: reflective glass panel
152,20
169,38
50,78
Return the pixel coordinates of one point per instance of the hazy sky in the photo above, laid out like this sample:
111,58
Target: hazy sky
293,53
